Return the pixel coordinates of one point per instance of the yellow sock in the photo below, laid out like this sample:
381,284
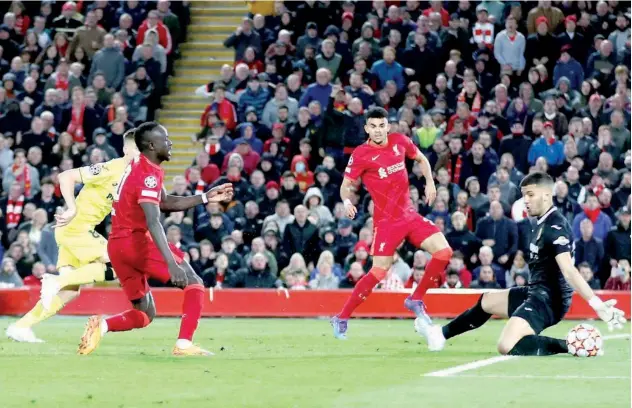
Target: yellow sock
94,272
38,314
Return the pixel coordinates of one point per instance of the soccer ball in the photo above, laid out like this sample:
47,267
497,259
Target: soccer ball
584,340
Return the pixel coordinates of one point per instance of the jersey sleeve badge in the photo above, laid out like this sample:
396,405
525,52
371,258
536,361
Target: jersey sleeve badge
151,182
95,169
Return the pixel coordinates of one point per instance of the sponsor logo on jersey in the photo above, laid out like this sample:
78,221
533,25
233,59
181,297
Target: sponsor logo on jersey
562,241
95,169
557,227
382,173
151,182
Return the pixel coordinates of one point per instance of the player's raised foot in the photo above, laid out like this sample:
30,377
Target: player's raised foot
418,308
191,350
91,336
50,288
22,334
340,327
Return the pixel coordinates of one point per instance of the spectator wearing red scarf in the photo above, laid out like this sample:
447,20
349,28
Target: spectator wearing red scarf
592,211
22,21
153,23
224,108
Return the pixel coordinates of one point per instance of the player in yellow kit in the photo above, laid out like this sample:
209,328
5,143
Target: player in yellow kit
83,257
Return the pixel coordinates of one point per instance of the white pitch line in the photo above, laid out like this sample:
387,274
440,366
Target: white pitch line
549,377
452,371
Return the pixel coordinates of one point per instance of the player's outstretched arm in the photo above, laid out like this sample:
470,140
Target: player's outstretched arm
217,194
152,215
605,310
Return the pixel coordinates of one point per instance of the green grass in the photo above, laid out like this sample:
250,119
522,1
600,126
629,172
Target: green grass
297,363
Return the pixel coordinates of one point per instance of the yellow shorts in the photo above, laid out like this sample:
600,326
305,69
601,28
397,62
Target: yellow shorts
79,248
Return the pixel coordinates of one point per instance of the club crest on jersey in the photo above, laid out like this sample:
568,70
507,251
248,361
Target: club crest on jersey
396,150
151,182
382,244
95,169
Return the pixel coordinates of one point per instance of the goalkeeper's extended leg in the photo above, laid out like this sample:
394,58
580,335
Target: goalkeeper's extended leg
519,339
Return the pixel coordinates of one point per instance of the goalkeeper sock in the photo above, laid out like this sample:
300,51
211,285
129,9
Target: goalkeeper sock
38,314
128,320
93,272
362,289
435,267
471,319
191,311
533,345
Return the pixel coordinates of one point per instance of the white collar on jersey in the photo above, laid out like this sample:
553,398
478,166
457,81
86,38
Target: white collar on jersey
546,214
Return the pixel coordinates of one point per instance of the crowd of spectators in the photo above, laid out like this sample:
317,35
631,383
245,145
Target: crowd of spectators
74,78
489,91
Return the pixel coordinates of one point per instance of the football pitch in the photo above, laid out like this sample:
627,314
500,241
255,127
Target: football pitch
297,363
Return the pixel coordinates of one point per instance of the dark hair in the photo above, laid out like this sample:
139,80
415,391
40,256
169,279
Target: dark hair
537,178
19,150
142,134
458,255
48,180
584,265
376,113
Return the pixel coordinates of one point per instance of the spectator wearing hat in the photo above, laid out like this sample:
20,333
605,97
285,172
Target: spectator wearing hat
67,22
576,40
345,238
247,132
553,15
269,201
366,35
310,37
255,97
510,46
542,47
483,29
547,146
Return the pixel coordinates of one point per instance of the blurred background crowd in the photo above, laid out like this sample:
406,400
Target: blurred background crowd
489,91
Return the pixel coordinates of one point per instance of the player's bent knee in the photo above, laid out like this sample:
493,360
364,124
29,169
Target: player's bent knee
504,346
444,254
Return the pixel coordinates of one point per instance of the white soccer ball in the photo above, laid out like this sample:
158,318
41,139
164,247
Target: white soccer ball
584,340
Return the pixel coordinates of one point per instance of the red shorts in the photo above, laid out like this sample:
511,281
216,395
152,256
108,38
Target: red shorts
135,259
388,235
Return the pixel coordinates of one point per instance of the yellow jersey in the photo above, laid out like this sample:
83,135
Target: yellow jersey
94,202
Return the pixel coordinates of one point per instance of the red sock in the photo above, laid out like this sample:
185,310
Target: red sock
128,320
191,311
362,289
434,269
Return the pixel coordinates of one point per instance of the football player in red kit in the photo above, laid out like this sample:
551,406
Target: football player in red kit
380,163
139,250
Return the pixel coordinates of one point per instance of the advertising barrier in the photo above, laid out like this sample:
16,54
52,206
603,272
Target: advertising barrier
272,303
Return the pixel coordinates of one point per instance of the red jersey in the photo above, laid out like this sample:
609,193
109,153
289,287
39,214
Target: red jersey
141,183
383,172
